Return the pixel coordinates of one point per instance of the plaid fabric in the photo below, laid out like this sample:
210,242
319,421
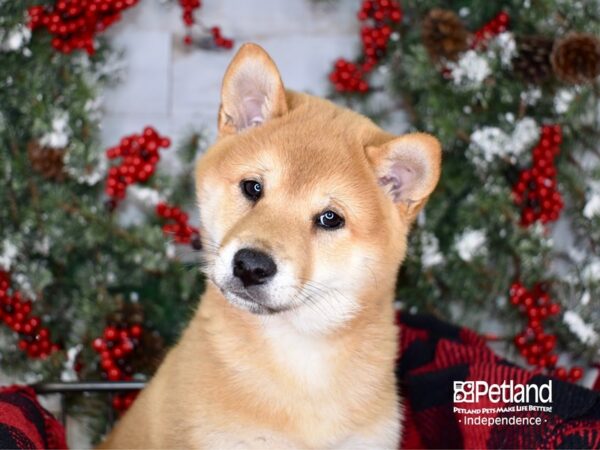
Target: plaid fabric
434,354
24,424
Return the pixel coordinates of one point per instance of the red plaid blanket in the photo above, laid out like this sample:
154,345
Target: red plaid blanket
435,354
25,424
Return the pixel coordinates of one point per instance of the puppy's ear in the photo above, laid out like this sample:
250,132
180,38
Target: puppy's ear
252,91
408,169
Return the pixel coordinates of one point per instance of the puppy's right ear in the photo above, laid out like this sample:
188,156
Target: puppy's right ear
252,91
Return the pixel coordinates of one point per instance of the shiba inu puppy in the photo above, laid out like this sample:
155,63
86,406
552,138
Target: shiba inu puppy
305,209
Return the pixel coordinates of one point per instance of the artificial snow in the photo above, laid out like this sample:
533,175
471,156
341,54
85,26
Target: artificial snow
579,328
145,196
585,298
470,70
469,244
8,255
591,272
69,373
526,133
531,96
431,254
489,143
562,100
506,47
58,137
170,251
16,38
89,176
592,206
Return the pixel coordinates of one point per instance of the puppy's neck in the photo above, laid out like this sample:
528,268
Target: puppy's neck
307,354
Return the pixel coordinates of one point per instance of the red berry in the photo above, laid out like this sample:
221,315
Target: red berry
114,374
117,402
98,344
561,373
107,364
551,360
520,340
110,333
136,330
575,373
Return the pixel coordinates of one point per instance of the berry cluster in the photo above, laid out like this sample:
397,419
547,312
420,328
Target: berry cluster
219,40
122,402
15,312
536,189
382,14
182,231
126,348
74,23
534,345
188,7
380,17
348,77
494,27
139,153
115,347
380,11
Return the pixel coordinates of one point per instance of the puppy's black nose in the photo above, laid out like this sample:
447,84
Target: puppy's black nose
253,266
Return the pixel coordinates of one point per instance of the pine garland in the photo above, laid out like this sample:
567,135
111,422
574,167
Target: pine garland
61,247
472,242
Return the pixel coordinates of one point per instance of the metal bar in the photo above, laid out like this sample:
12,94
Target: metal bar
63,411
87,386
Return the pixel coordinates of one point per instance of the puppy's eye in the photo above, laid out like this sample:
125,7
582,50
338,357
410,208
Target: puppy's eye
251,189
329,220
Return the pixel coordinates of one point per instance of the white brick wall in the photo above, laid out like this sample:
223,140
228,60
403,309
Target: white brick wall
174,87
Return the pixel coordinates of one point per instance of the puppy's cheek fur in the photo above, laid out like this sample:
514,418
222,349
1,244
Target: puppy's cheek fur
340,276
283,289
223,264
211,195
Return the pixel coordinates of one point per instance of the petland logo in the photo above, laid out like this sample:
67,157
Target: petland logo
507,392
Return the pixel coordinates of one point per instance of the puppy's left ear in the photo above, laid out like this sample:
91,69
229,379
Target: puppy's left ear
408,169
252,92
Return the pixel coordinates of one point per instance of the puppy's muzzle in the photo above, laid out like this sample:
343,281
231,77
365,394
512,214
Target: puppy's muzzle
253,267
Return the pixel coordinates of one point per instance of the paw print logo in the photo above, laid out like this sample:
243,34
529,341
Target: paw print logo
464,391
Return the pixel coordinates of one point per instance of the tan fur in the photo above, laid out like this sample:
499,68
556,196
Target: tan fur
321,374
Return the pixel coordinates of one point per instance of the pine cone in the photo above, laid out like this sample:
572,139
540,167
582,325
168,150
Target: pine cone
532,62
149,354
48,162
576,58
149,347
126,315
444,35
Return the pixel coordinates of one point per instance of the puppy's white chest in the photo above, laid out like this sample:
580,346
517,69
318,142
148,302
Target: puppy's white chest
246,440
385,436
305,358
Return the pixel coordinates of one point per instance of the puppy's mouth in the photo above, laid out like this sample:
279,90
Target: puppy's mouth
251,302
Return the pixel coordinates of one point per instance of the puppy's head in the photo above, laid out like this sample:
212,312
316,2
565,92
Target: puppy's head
305,206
